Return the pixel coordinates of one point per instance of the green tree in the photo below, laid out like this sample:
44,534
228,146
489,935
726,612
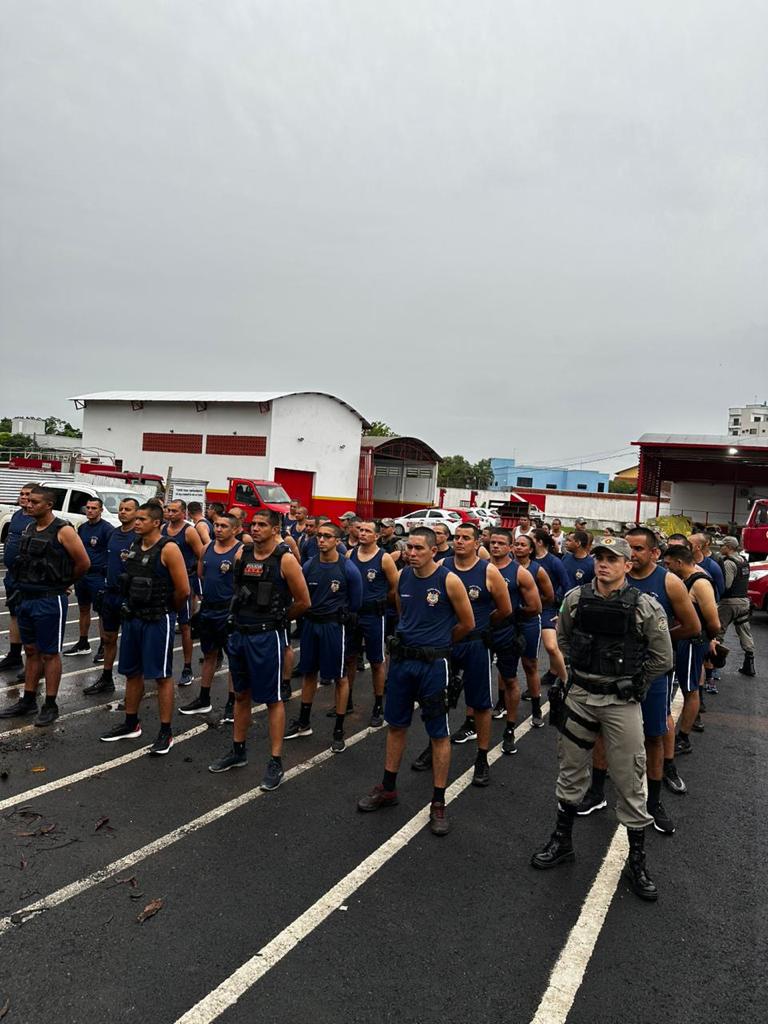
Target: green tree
16,442
456,471
5,425
380,429
61,428
622,486
483,474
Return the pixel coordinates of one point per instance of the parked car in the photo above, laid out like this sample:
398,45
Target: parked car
467,515
758,586
487,516
427,517
70,503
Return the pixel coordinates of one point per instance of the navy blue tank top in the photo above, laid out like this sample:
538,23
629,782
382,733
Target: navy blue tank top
187,553
375,585
475,582
217,583
426,614
327,583
553,567
117,547
655,585
509,572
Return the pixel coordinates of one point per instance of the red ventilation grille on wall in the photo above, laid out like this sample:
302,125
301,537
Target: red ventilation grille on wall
192,443
235,444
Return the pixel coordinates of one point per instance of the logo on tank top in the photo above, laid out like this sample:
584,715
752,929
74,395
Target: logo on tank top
433,597
225,566
371,575
579,574
124,554
253,569
474,593
94,541
335,586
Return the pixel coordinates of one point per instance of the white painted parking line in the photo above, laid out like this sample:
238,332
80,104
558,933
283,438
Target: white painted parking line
55,899
568,973
246,976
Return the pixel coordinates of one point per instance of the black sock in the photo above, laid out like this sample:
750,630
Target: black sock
469,722
15,650
708,673
509,727
306,711
388,782
187,666
106,673
239,748
654,792
536,706
598,781
278,760
29,697
83,641
482,757
165,728
50,702
205,693
131,720
378,703
339,727
682,735
669,762
438,795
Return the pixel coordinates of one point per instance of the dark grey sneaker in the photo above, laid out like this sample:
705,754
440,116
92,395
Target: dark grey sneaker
77,650
273,776
508,745
439,822
592,802
481,775
337,744
673,782
98,657
296,730
104,684
162,744
227,761
121,732
661,820
187,677
377,718
228,715
423,762
196,707
19,709
47,716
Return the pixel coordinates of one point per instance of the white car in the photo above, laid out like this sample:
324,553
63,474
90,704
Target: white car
487,516
427,517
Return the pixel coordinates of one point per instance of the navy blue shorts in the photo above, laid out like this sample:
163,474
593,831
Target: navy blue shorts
86,589
531,634
409,681
369,631
548,618
256,664
689,661
184,614
42,621
110,612
11,587
146,648
656,706
323,649
474,660
212,630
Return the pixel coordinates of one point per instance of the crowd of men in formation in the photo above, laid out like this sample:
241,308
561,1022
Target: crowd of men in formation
622,619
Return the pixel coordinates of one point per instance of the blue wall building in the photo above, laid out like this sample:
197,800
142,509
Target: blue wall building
508,475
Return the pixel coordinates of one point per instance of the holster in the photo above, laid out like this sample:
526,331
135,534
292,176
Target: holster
455,686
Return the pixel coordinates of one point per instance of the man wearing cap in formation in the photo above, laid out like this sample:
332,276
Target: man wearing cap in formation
615,641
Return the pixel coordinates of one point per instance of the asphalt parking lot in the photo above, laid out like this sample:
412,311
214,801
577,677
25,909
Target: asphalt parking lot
292,906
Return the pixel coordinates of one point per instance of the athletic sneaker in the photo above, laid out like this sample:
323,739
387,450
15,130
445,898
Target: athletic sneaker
19,709
377,718
500,709
104,684
47,716
228,715
162,744
698,725
537,719
465,734
592,802
661,820
508,741
423,762
683,745
285,691
296,730
122,732
711,687
338,744
673,782
227,761
98,657
526,695
481,775
187,677
196,707
548,678
78,649
273,776
439,822
10,662
377,798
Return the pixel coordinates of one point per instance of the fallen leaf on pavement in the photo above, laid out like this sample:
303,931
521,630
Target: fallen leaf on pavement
101,823
5,1008
39,768
150,910
47,829
23,863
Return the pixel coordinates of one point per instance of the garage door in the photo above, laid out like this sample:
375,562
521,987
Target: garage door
298,483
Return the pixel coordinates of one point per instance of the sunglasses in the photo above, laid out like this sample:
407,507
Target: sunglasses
326,536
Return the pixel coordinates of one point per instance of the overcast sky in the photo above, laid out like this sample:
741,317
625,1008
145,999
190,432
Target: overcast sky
536,229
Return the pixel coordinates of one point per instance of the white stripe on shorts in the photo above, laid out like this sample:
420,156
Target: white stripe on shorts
62,623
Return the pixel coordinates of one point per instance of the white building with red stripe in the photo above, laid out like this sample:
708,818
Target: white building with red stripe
308,441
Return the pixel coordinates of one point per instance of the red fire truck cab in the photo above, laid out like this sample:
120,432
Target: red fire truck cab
754,536
253,495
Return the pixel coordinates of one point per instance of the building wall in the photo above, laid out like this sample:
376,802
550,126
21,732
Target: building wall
330,449
712,503
27,425
748,420
402,487
508,474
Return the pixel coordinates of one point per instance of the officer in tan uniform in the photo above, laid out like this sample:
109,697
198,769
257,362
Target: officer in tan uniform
615,641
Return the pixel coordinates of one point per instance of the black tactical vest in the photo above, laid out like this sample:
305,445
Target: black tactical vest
702,637
145,582
606,640
43,564
740,581
261,594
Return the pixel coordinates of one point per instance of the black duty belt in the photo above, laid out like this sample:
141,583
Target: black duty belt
250,628
603,689
324,617
403,653
373,607
30,595
214,606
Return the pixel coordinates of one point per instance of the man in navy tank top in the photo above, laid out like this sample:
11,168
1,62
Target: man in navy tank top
190,544
336,592
216,575
110,600
94,533
379,576
269,591
18,524
435,612
491,606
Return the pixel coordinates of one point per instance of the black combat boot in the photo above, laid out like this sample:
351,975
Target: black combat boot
748,668
559,848
635,871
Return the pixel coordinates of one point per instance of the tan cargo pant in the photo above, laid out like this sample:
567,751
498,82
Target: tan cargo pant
736,610
621,726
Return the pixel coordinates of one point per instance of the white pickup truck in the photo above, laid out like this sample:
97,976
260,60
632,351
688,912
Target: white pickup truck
71,499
